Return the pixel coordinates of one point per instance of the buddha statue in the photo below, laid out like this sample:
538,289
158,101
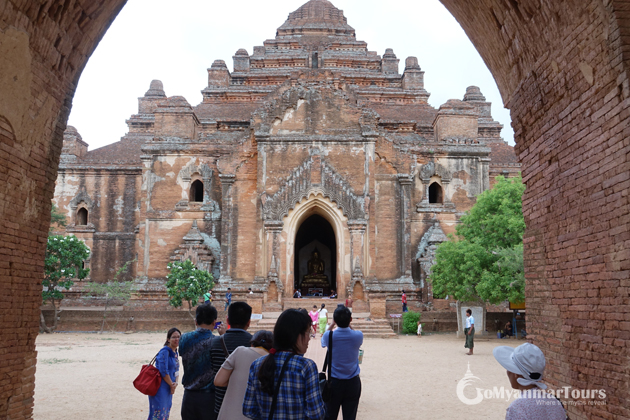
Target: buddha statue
315,277
315,264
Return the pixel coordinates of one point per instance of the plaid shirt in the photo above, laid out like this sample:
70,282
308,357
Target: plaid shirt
299,396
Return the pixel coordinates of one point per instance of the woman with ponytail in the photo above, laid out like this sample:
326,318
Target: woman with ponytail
286,372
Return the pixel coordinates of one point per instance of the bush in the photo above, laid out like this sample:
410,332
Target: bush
410,322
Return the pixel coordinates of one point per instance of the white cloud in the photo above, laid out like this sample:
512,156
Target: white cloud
176,42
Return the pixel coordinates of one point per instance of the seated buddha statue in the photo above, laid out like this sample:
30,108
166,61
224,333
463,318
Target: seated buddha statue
315,276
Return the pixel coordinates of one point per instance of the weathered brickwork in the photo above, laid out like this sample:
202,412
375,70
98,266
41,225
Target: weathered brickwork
560,66
310,124
563,74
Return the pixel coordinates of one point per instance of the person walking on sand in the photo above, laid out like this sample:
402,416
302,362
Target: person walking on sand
323,318
469,332
314,314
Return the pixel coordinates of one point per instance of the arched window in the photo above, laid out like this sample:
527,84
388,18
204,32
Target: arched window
82,217
196,191
436,195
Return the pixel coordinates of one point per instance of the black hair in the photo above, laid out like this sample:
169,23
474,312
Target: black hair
291,324
468,311
169,334
315,306
262,338
239,314
323,305
206,314
229,288
342,316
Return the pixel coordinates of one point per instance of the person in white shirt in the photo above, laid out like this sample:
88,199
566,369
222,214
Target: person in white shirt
323,319
525,366
469,332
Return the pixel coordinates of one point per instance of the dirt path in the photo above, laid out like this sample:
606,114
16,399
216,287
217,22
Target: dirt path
89,376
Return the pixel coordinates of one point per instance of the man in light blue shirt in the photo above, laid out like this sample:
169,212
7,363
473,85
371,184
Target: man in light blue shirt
345,381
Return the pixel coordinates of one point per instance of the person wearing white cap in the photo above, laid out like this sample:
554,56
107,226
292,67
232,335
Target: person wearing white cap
525,366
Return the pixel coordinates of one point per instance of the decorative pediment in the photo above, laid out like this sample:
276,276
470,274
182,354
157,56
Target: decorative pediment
314,176
427,247
194,249
82,196
431,169
203,170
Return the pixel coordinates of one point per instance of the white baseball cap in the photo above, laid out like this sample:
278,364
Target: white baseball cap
526,360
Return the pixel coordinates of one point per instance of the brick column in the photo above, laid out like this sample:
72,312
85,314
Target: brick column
226,227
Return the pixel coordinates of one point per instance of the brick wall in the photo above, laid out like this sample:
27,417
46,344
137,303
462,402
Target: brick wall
562,70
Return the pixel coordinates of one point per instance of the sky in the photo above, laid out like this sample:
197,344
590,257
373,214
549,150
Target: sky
177,41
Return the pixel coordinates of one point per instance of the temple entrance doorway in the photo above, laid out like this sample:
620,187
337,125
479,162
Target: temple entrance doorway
315,260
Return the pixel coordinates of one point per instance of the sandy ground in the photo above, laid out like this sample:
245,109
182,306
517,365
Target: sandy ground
89,376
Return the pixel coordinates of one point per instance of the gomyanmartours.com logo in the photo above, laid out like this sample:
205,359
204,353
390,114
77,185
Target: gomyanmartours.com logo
567,394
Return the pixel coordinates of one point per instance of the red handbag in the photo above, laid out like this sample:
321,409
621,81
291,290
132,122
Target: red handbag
149,380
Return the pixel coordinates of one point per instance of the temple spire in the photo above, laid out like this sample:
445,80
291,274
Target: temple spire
317,17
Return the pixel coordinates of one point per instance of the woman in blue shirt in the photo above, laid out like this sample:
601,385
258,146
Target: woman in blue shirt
167,362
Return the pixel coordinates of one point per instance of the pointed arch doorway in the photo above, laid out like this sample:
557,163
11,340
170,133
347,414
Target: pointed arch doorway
315,257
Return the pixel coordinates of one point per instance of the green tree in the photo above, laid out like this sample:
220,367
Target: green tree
114,291
63,264
485,259
56,218
186,283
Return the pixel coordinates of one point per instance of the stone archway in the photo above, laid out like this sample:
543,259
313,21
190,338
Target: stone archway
315,238
318,206
562,69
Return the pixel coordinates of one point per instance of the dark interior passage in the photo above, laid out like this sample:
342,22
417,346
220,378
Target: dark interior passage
315,236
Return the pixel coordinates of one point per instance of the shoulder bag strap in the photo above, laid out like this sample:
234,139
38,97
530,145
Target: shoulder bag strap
225,350
274,402
329,354
152,362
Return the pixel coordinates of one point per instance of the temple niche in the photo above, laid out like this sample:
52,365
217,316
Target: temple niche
314,164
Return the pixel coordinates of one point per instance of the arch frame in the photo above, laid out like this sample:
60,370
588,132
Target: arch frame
315,204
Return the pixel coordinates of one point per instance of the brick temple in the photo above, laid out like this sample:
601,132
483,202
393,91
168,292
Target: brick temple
314,165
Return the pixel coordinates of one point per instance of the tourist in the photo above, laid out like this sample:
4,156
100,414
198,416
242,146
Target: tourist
507,330
323,318
404,302
228,298
207,297
250,291
419,331
299,386
469,332
198,373
525,366
345,381
235,371
297,294
238,317
167,362
333,294
314,314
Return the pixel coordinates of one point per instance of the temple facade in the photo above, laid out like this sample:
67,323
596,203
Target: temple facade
315,165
